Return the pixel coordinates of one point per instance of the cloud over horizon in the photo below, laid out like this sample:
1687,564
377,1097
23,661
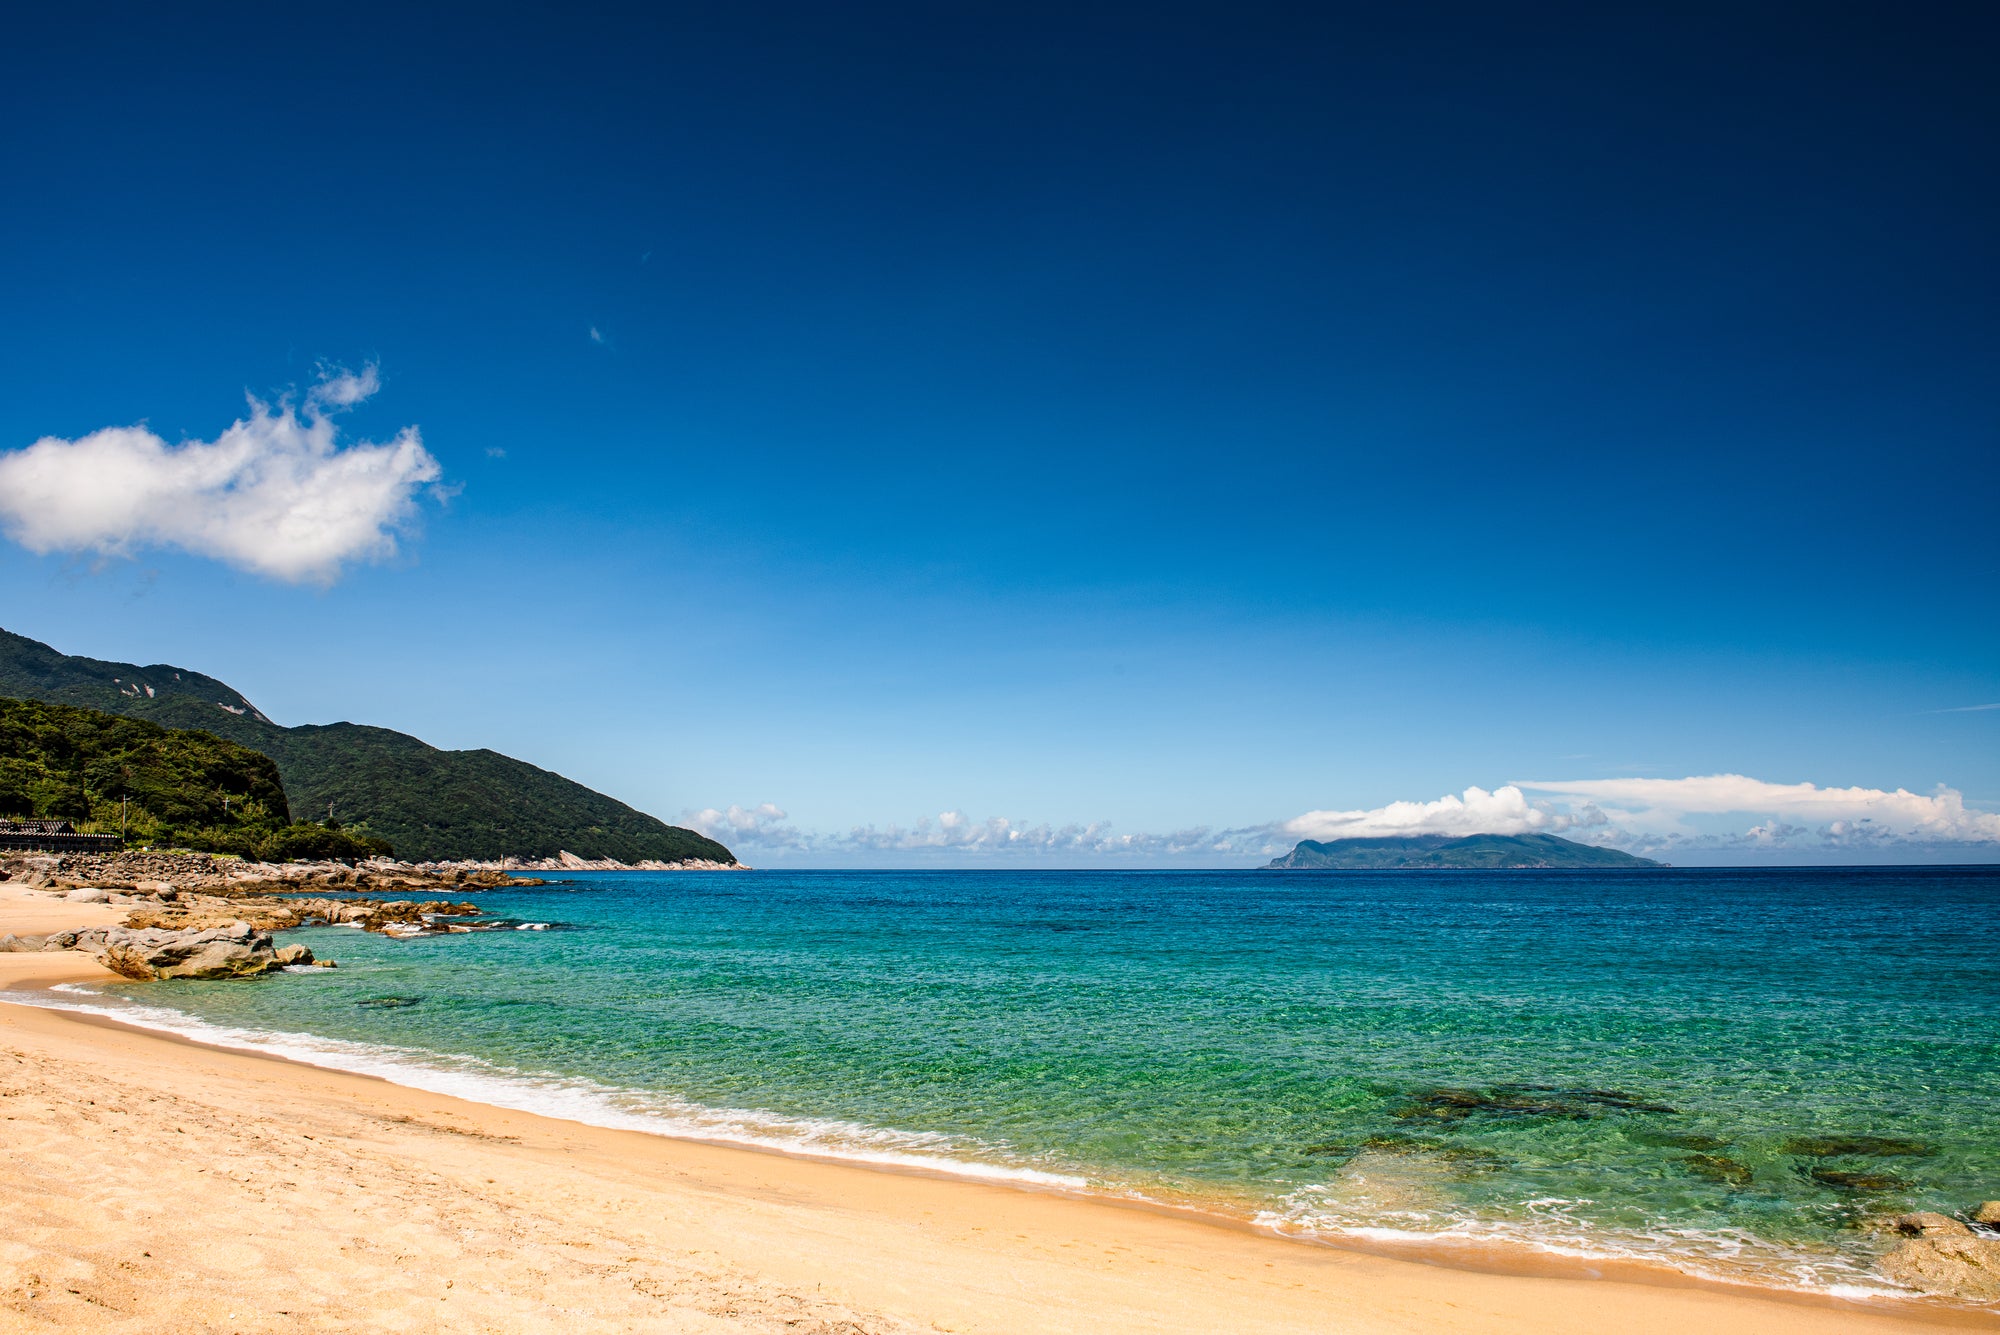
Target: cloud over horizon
768,827
1709,812
1788,811
1505,810
275,493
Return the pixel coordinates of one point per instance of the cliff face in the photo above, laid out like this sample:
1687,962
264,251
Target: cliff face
430,804
1492,852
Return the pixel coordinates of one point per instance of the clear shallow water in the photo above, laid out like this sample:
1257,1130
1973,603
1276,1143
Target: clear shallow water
1483,1055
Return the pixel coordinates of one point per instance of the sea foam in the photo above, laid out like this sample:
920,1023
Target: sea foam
571,1099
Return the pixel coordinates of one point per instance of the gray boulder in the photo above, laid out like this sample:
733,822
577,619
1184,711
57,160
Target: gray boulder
84,938
88,894
235,951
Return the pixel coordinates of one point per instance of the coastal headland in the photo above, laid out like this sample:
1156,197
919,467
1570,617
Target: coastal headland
158,1184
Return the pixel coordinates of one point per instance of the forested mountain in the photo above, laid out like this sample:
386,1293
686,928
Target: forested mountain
428,803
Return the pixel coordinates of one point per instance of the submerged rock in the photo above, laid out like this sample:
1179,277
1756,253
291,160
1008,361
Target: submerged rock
1682,1140
1447,1104
1873,1147
1457,1156
1842,1180
1719,1168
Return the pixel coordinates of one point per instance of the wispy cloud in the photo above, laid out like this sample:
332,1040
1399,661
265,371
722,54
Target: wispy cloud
597,336
1966,709
275,493
767,827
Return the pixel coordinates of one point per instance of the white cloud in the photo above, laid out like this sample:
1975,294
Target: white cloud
340,388
1503,811
766,819
596,335
1851,815
275,493
1713,811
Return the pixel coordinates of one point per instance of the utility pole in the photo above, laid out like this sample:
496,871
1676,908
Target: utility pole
121,817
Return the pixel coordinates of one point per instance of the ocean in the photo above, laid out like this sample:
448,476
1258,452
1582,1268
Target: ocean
1724,1070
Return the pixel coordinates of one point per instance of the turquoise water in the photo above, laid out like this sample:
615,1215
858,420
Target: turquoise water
1724,1069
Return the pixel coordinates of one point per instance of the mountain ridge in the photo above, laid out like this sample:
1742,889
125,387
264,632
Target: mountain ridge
431,804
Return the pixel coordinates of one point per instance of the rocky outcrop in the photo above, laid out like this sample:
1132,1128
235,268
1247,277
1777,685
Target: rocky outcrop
196,916
235,951
1940,1255
145,875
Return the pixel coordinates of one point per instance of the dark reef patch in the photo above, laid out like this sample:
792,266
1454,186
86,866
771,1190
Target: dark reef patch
1841,1180
1873,1147
1451,1105
1719,1168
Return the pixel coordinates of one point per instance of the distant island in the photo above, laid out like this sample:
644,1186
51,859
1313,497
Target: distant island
1416,852
424,802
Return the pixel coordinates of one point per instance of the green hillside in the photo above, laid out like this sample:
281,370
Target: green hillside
1492,852
76,764
157,785
426,802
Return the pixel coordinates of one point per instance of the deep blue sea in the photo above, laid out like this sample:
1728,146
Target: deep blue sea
1728,1070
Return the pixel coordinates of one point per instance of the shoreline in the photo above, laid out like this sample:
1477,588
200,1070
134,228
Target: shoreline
1499,1276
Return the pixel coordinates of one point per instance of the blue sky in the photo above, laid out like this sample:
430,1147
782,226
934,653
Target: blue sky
1135,421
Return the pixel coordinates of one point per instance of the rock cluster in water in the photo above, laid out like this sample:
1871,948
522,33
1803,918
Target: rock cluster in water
566,861
143,871
193,915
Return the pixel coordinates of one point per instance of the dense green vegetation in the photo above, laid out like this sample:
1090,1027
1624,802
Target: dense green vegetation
428,803
175,787
1444,852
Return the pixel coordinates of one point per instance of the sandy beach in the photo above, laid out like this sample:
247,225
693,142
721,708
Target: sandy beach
155,1184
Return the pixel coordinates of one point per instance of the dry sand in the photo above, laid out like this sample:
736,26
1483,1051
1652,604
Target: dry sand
155,1185
23,911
